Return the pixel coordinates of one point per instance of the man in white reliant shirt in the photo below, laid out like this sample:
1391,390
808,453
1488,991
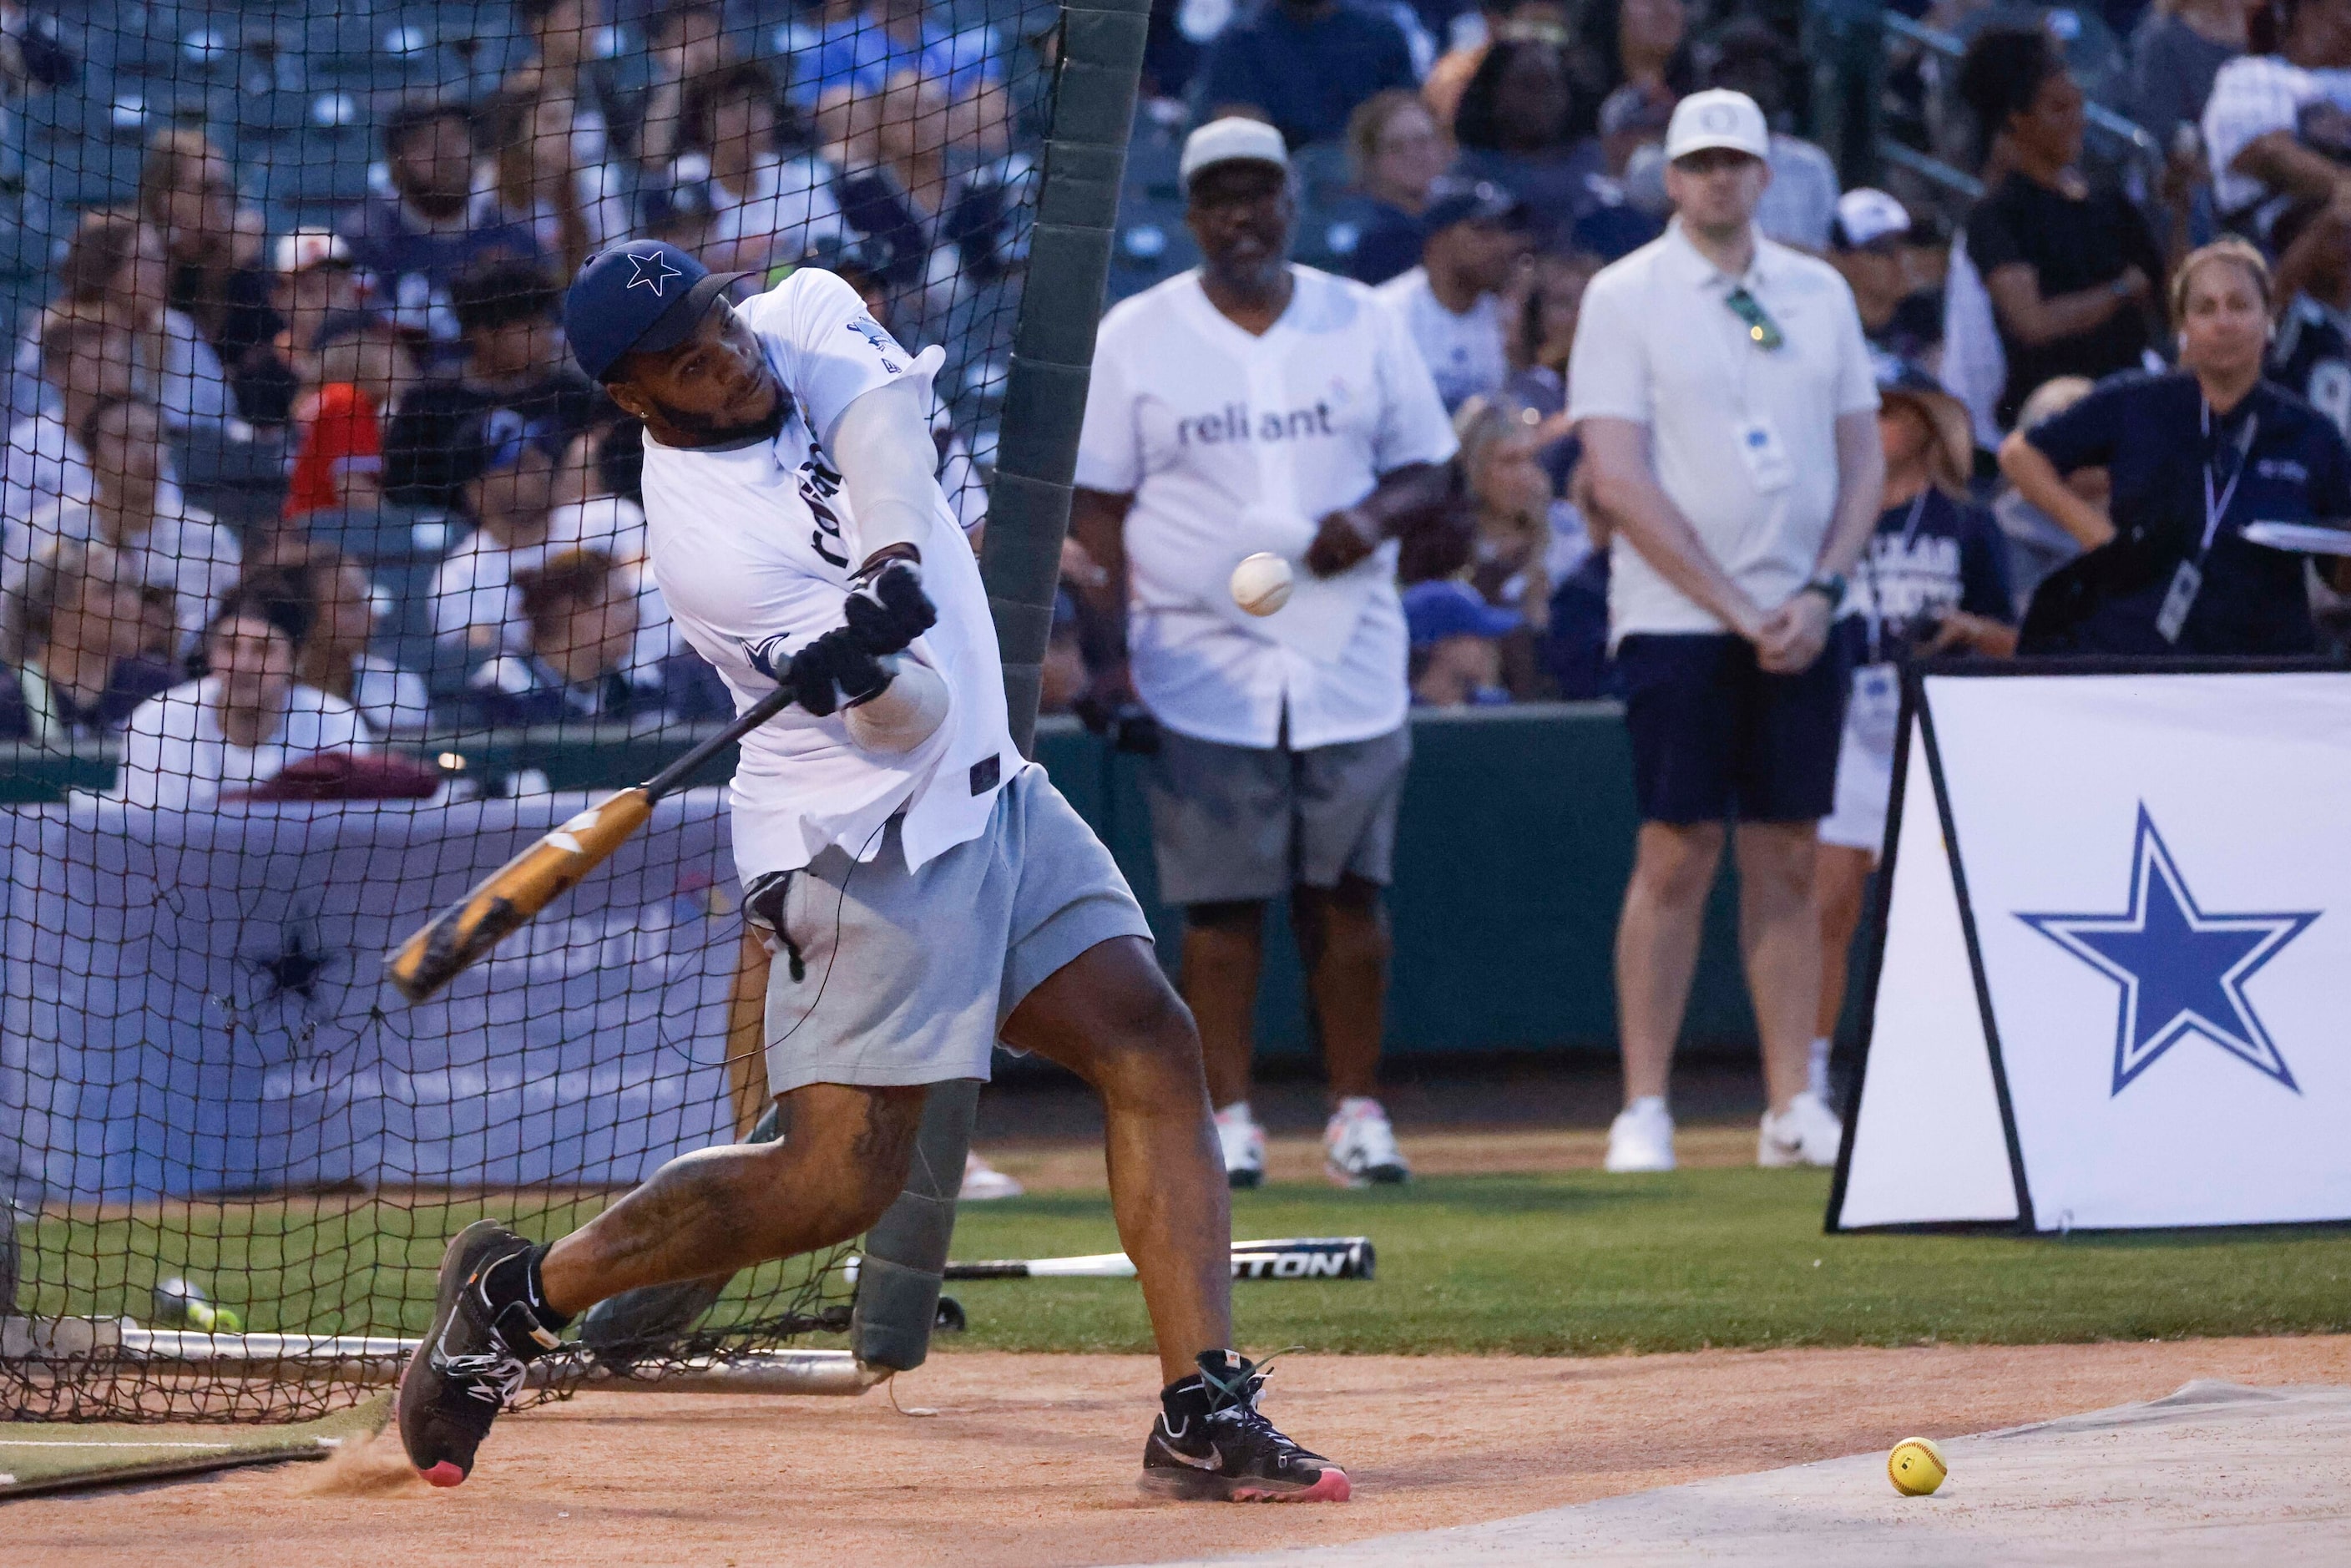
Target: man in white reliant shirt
1257,406
929,891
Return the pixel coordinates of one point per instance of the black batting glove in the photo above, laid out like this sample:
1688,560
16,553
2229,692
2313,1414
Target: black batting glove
836,670
889,609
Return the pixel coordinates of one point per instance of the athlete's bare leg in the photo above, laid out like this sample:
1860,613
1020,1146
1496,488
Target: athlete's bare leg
1224,947
1343,937
720,1209
1110,1017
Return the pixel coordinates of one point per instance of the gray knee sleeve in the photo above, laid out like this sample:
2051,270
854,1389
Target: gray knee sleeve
906,1250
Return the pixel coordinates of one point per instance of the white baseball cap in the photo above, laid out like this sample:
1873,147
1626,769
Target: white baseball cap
1718,118
1232,139
307,248
1865,217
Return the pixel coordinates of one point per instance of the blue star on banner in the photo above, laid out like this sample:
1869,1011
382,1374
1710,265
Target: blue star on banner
2182,971
651,272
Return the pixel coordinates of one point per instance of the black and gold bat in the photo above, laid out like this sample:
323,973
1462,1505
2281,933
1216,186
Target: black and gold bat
464,933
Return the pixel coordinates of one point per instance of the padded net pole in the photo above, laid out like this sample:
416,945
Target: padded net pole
1029,512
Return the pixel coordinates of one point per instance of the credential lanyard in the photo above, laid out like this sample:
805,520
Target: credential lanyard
2188,579
1876,590
2217,507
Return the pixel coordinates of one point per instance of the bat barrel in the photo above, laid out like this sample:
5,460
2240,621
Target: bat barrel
1298,1258
463,934
1305,1258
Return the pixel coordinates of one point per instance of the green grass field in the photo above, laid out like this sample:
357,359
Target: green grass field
1587,1264
1570,1264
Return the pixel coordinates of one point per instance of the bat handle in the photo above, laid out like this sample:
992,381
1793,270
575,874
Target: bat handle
670,780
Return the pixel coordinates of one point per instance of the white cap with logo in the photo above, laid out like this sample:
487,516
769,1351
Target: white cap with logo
1718,118
1232,139
1866,215
307,248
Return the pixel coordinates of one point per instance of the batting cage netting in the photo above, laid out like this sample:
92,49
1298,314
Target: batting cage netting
326,592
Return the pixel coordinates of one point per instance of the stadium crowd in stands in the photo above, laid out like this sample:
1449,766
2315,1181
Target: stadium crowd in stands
1478,164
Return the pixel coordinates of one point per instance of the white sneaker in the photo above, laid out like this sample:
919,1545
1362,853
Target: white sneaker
982,1181
1641,1138
1359,1147
1806,1133
1242,1143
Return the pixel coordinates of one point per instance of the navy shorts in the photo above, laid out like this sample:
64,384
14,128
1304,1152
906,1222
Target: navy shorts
1716,738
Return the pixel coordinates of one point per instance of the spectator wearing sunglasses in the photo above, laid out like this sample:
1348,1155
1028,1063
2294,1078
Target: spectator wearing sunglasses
1726,405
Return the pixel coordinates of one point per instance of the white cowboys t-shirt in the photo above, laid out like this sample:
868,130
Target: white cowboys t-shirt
1230,445
753,547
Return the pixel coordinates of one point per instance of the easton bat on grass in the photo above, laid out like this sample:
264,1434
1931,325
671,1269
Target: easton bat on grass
466,931
1302,1257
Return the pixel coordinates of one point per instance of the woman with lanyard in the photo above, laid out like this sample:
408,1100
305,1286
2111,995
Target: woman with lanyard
1932,580
2194,456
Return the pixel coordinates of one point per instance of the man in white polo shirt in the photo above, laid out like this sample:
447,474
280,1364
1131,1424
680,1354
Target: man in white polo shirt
1254,405
1723,391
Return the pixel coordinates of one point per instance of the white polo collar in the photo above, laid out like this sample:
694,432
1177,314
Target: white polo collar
1691,267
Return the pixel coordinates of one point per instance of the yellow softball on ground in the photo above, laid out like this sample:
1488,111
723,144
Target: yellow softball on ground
1916,1466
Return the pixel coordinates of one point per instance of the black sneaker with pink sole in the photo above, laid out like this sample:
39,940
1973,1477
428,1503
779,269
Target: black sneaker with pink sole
472,1360
1210,1443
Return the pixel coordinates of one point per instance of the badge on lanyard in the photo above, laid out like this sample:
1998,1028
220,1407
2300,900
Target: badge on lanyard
1876,709
2171,620
1766,458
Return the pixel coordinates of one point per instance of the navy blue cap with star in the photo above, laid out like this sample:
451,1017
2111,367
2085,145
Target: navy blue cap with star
642,297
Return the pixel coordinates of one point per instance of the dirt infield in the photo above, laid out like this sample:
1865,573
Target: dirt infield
1031,1460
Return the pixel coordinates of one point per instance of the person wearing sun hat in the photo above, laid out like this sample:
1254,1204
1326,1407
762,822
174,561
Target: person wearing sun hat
1932,582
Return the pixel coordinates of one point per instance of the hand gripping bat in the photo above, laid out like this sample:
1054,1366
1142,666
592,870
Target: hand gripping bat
463,932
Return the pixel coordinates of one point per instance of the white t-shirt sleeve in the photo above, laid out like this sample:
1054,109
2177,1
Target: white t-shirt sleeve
343,729
1608,367
832,350
1414,427
472,587
1857,383
1110,448
157,758
2251,97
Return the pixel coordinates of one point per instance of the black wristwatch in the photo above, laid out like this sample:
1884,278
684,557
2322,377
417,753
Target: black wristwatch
1829,586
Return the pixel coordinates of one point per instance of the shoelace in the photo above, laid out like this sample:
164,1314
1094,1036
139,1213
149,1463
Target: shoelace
1242,1392
493,1377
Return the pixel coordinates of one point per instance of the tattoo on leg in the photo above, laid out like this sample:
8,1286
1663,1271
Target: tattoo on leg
887,1138
693,1206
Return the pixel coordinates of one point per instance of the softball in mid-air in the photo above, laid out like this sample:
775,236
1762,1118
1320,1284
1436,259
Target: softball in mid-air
1916,1466
1262,583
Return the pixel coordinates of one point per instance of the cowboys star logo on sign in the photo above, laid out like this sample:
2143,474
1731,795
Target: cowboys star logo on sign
2182,971
651,272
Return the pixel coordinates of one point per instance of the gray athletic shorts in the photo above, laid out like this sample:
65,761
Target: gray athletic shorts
1230,823
908,977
